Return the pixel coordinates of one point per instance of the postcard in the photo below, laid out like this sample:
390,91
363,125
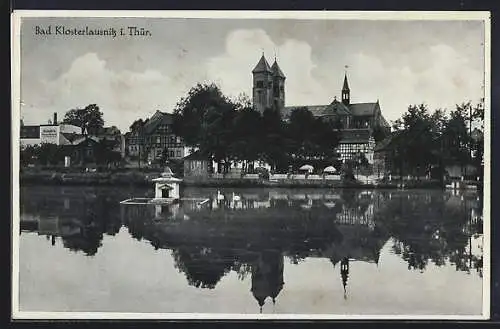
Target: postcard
251,165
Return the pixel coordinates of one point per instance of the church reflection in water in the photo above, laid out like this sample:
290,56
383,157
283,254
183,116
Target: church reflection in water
255,235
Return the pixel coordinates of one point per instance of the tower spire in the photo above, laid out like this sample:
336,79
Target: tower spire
346,92
344,273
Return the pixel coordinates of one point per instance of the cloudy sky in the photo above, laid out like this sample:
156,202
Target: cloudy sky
439,63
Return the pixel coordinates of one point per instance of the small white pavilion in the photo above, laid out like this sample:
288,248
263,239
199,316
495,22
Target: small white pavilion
167,186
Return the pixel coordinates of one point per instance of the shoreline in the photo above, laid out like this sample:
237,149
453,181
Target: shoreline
143,179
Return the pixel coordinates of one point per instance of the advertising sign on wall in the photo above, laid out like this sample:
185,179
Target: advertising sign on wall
49,134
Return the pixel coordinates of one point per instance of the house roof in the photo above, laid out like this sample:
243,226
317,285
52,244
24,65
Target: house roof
30,132
276,70
196,156
262,66
388,142
71,137
109,131
82,139
383,144
157,119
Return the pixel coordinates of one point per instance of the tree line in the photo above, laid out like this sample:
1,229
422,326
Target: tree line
227,130
425,141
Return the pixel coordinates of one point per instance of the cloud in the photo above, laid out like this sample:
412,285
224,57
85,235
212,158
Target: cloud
122,96
232,70
446,79
439,74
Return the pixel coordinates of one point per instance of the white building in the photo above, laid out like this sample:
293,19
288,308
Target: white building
52,133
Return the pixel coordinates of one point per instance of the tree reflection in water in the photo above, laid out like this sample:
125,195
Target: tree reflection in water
207,243
435,228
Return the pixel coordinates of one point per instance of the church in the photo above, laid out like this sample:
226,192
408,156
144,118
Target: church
358,119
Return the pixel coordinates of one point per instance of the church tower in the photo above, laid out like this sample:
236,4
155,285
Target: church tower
346,92
262,85
278,87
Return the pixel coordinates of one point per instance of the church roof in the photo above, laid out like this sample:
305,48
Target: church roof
276,70
335,108
316,110
363,109
340,108
262,66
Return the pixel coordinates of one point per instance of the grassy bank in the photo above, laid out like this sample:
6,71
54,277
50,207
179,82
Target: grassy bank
90,178
143,178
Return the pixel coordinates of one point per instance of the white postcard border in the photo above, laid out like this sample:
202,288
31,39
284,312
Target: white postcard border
16,18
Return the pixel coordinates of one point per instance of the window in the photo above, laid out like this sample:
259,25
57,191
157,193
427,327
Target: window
260,96
158,140
172,139
260,84
171,154
178,153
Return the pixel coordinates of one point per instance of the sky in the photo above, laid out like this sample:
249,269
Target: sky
439,63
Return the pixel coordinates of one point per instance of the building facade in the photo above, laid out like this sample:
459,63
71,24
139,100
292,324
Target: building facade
154,138
358,120
51,133
197,165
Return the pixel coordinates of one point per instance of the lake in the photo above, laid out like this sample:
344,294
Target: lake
271,251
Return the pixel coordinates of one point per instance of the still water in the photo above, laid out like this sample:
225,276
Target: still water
310,251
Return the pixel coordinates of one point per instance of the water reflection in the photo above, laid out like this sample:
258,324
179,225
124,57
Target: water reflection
253,235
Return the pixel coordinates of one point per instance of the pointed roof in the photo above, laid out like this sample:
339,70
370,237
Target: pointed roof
276,70
262,66
346,84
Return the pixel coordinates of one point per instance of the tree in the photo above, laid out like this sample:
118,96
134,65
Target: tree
137,126
379,134
137,131
28,154
299,130
217,133
274,139
89,119
204,119
192,111
416,139
456,138
104,153
312,138
49,154
247,139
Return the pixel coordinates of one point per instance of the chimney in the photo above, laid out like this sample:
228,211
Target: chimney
55,118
